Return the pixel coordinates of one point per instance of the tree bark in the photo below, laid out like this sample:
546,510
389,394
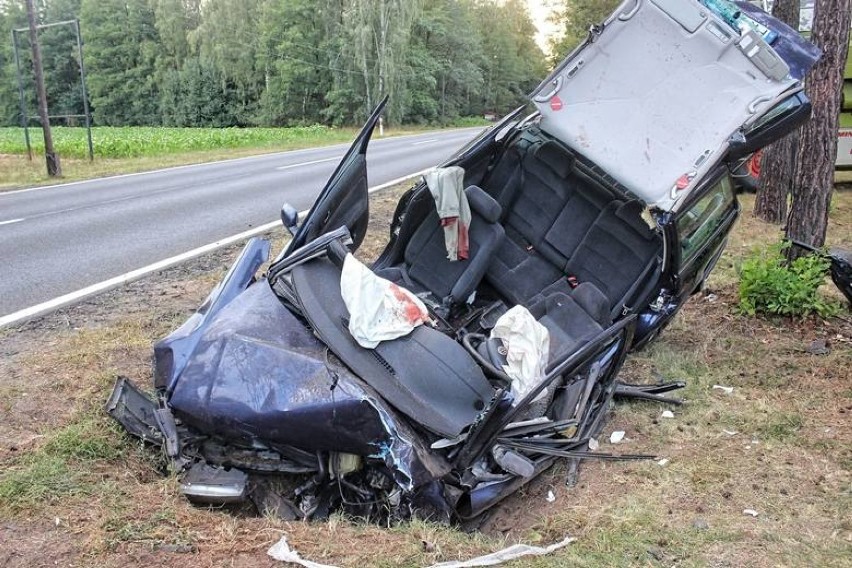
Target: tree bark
813,182
778,161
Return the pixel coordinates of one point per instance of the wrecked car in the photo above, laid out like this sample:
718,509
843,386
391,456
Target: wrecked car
596,216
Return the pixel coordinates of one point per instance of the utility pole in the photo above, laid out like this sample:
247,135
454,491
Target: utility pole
53,168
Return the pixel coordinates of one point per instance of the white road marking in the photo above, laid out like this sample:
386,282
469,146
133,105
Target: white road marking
10,221
424,142
299,165
74,297
228,160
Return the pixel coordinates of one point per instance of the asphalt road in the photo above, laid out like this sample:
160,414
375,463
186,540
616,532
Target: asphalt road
56,240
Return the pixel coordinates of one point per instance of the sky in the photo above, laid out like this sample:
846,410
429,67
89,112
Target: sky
540,10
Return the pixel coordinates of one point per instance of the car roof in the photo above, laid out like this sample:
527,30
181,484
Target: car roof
655,97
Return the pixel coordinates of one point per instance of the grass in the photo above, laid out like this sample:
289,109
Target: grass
779,444
119,150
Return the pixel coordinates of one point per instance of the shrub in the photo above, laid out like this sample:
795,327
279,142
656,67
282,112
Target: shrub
769,285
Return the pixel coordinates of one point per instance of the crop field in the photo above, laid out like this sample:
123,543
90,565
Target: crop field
138,141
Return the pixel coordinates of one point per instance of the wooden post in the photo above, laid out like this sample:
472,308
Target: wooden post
53,168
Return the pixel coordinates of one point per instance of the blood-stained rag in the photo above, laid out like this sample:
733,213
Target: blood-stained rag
447,188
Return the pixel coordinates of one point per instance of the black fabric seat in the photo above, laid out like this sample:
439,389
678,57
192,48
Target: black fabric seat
426,268
572,320
526,262
617,253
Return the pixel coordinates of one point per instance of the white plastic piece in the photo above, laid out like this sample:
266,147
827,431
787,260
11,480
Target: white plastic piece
282,551
379,310
663,462
750,512
511,553
550,497
730,432
726,390
593,445
616,437
527,344
667,414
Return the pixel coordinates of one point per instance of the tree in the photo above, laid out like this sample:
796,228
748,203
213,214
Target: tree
12,16
227,39
813,181
779,159
575,17
513,63
298,59
121,49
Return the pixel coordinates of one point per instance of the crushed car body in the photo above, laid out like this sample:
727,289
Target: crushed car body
590,221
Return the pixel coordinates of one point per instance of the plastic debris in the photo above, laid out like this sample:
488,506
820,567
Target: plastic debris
667,414
594,444
282,551
818,347
663,462
511,553
550,497
379,310
726,390
616,437
750,512
730,432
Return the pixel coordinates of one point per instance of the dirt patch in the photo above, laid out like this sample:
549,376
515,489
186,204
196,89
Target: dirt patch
74,490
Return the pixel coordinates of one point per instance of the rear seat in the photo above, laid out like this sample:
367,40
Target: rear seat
546,215
558,228
617,254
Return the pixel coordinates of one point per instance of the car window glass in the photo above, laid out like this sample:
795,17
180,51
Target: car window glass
701,220
784,107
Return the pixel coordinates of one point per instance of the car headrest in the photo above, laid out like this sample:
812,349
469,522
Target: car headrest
483,204
631,213
556,158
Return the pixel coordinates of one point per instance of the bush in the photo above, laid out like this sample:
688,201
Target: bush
768,285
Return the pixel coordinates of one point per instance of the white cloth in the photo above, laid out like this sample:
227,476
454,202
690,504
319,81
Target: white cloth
281,551
379,310
447,188
527,344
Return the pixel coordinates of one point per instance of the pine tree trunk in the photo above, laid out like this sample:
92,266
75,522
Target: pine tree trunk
779,159
813,183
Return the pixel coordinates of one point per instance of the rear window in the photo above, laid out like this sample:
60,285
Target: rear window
700,221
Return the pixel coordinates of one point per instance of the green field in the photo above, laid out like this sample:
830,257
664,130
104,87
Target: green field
136,141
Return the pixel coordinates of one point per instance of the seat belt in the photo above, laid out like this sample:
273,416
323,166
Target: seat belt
621,308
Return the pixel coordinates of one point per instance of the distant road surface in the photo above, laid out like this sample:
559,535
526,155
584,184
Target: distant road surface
58,239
